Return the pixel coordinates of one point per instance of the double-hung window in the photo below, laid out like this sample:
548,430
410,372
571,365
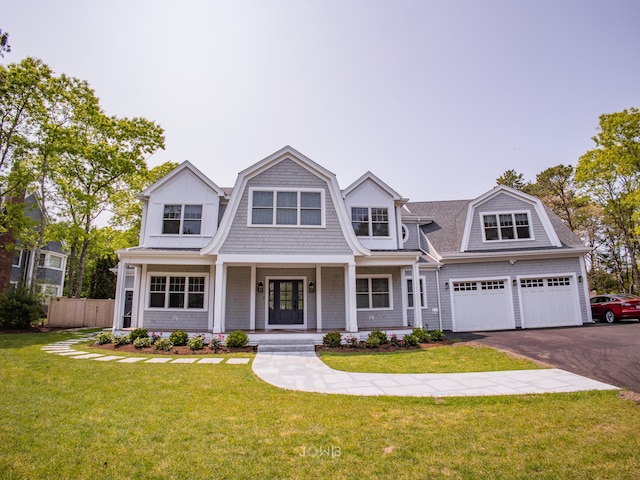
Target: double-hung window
506,226
370,221
182,219
373,293
50,260
286,207
176,291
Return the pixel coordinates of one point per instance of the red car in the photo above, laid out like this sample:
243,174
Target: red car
612,307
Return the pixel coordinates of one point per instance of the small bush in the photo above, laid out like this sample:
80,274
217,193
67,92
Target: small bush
19,308
380,335
138,333
421,334
120,340
196,343
332,339
216,343
436,336
163,344
142,342
155,337
179,338
104,337
372,341
237,339
411,340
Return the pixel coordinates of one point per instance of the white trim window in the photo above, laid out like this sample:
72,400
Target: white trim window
374,292
286,208
500,227
370,221
177,291
181,219
50,260
17,258
423,293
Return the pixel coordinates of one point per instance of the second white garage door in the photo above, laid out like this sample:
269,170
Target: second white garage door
482,305
549,302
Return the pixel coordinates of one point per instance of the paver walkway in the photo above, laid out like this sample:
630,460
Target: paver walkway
305,371
63,348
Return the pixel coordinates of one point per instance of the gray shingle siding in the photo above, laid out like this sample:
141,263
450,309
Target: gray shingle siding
242,239
371,319
237,302
169,320
333,307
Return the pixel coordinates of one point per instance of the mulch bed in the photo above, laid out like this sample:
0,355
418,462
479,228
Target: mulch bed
184,350
381,348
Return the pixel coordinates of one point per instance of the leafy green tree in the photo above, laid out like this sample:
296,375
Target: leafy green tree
610,174
512,179
4,43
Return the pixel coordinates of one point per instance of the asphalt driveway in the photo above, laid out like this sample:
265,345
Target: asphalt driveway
606,352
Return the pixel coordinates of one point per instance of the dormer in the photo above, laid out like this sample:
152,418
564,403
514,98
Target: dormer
181,210
504,219
375,210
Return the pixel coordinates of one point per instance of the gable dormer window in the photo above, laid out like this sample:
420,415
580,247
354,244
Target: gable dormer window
182,219
286,208
370,221
506,226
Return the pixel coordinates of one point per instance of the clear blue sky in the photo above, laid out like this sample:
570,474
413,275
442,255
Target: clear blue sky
437,98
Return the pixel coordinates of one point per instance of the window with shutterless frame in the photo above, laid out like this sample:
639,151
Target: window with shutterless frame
177,291
506,226
178,219
286,207
374,292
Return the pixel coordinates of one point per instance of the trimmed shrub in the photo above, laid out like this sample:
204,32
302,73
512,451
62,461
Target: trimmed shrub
138,333
411,340
352,341
19,308
120,340
142,342
237,339
421,334
372,341
195,343
104,337
179,338
332,339
393,340
155,337
436,336
163,344
380,335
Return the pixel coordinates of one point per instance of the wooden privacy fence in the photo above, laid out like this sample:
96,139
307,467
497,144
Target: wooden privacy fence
80,312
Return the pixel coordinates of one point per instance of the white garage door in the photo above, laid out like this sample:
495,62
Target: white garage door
482,305
549,302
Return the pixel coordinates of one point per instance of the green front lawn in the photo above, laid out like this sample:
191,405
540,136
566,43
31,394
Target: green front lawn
79,419
440,359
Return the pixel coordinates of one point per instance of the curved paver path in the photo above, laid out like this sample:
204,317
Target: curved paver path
305,371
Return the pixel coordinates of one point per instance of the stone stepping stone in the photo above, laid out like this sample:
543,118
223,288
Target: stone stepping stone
87,355
211,361
185,360
238,361
108,358
158,360
132,359
70,352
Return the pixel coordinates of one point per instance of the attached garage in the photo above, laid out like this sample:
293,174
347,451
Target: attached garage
549,301
482,305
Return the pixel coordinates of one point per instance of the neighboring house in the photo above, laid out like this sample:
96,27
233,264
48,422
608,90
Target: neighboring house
287,249
51,261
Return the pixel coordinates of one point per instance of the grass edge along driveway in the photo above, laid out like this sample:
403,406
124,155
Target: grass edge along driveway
66,418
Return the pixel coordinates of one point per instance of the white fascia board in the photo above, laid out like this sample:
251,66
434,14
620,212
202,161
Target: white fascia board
387,259
279,260
162,257
382,185
519,255
186,165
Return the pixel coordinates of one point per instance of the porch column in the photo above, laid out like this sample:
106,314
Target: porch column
218,308
351,312
417,298
252,299
118,304
319,298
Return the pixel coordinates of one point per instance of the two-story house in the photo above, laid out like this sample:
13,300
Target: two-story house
287,249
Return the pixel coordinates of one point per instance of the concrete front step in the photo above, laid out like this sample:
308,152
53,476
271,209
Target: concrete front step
275,348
